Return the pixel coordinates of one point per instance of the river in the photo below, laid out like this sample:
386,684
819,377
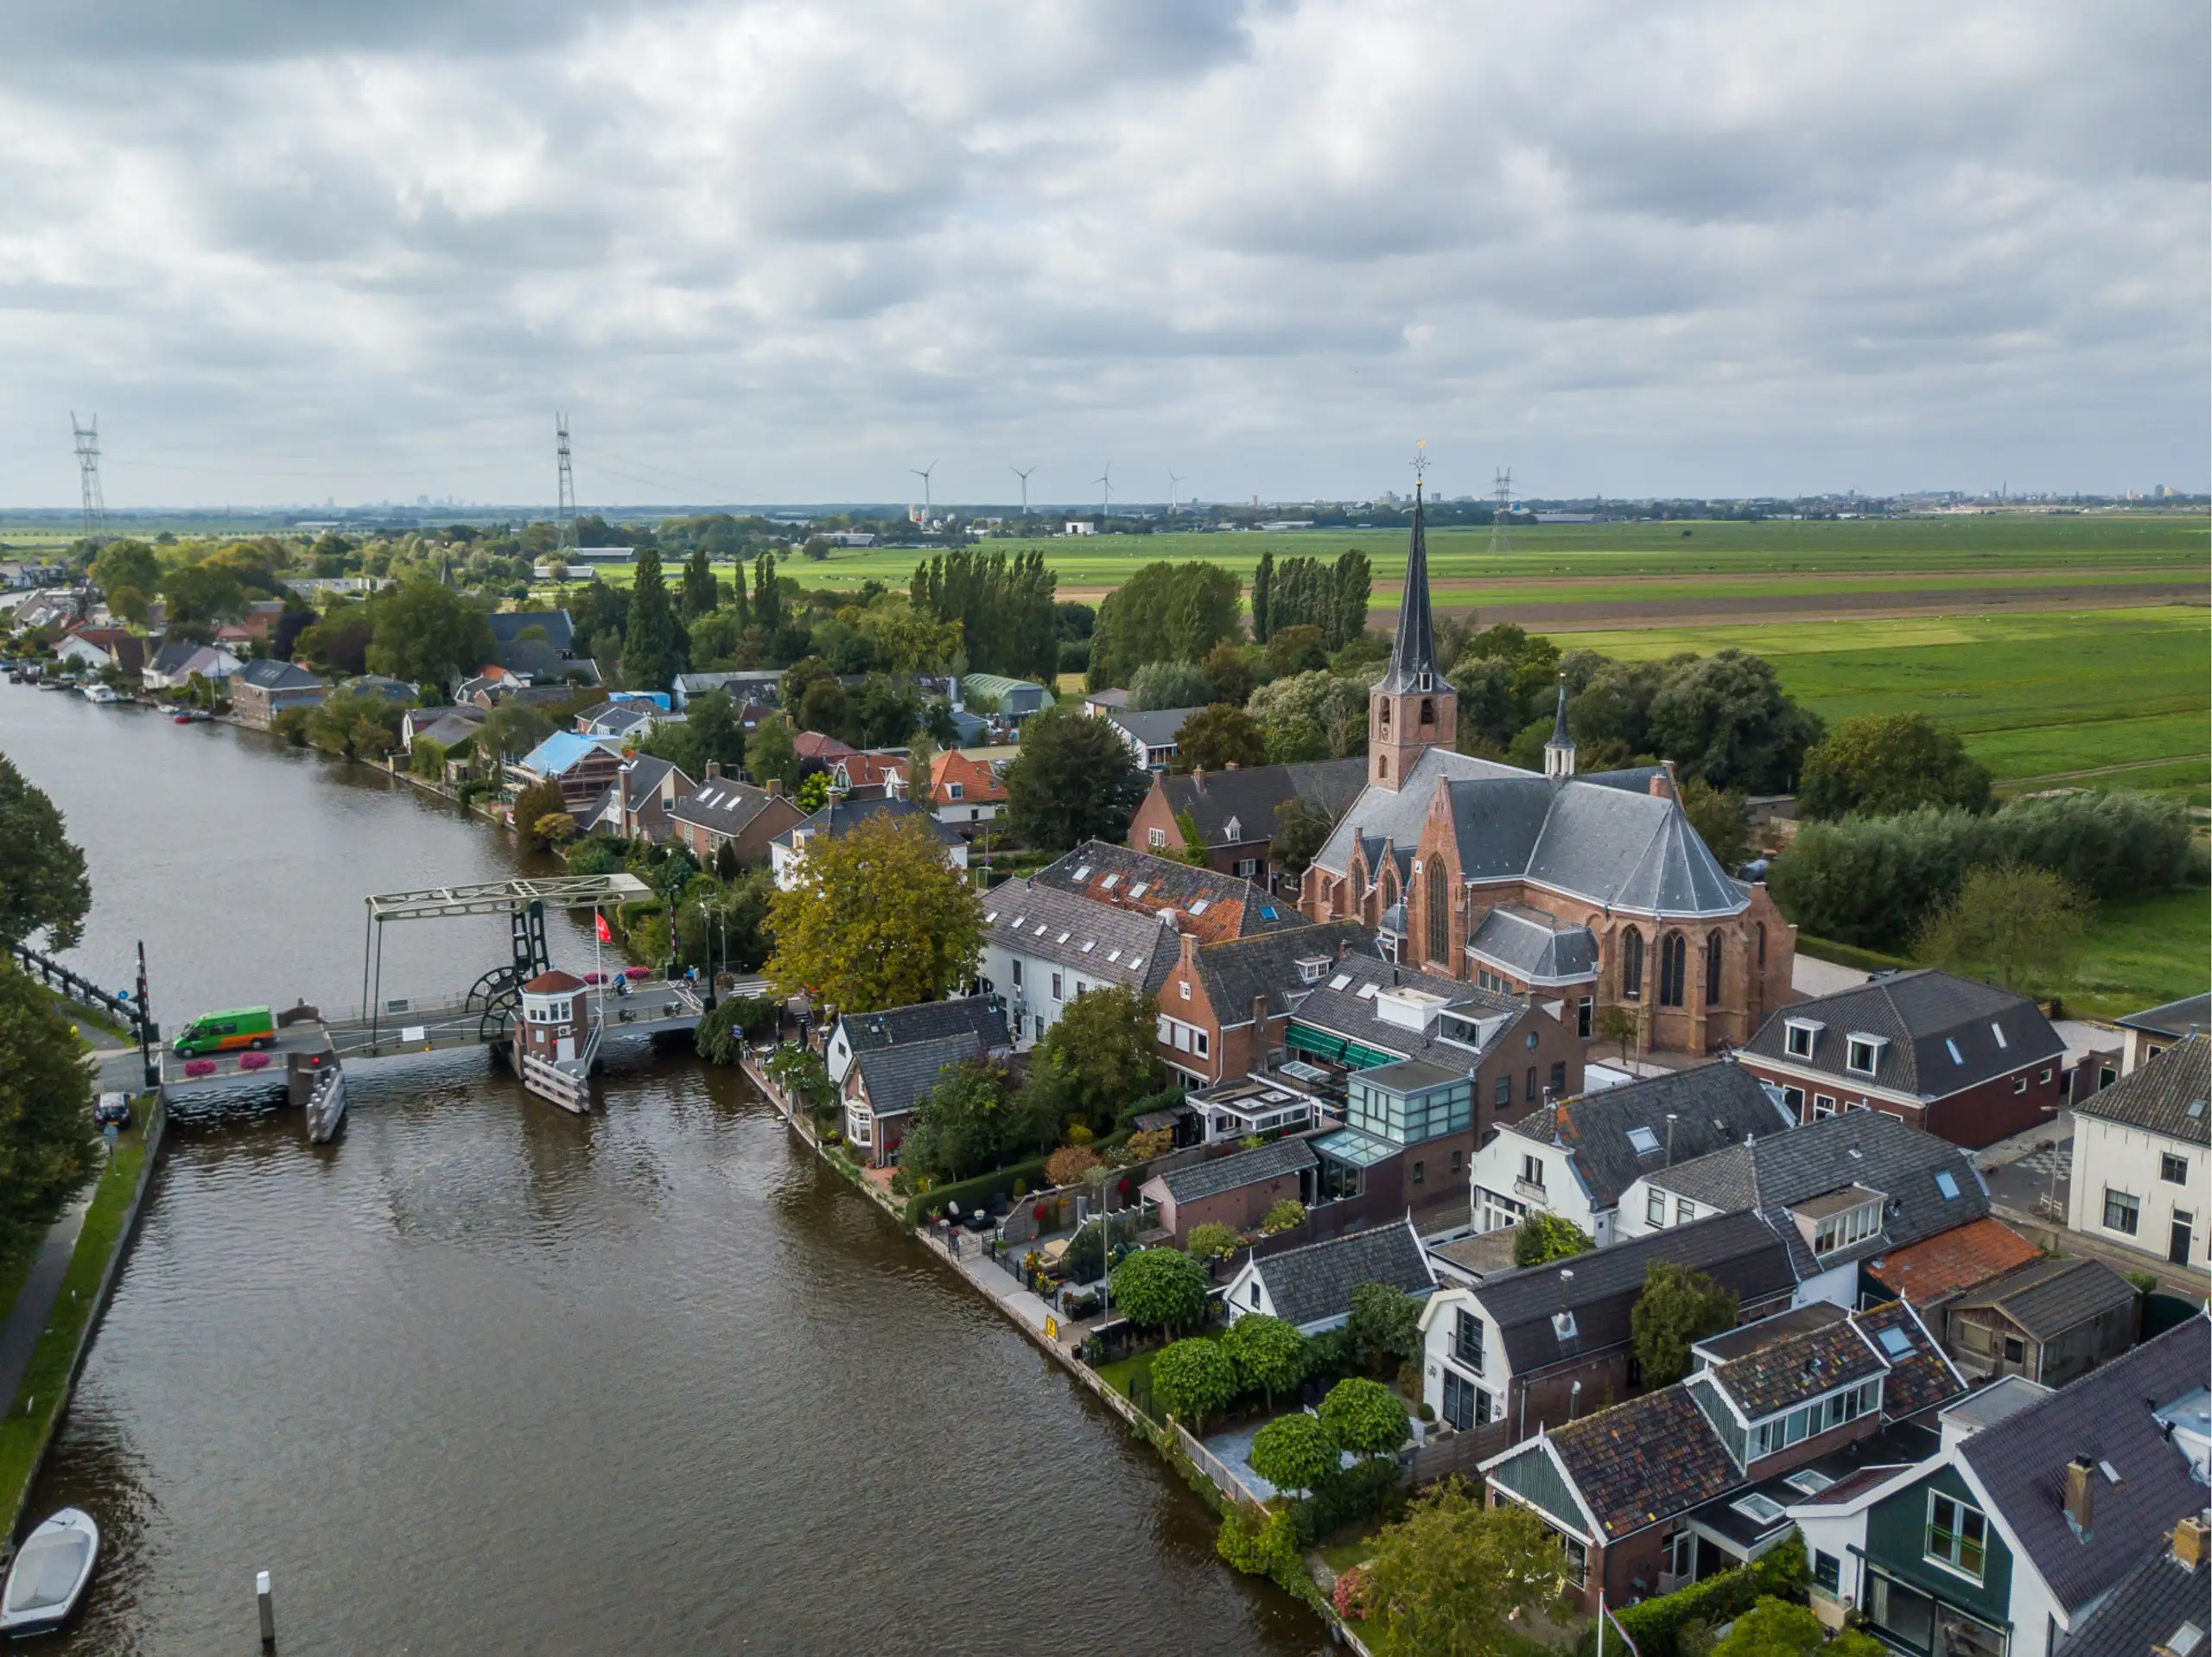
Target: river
484,1376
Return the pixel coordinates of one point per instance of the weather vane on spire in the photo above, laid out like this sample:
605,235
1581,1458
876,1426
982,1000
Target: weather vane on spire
1420,463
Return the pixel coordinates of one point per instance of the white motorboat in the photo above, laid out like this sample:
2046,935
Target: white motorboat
101,693
49,1574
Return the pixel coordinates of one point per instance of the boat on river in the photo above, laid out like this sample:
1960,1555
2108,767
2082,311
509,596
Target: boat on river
49,1574
101,694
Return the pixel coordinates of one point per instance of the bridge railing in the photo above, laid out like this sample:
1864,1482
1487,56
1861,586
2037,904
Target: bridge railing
81,989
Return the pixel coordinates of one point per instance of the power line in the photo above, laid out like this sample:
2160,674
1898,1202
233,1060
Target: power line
566,508
1503,494
88,469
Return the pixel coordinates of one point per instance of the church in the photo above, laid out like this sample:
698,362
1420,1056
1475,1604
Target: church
1592,889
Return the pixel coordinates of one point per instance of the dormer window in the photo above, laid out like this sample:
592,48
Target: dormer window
1862,1053
1311,968
1799,1035
1233,829
1846,1226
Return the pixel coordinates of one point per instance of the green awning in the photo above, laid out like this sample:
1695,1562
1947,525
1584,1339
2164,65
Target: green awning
1323,1045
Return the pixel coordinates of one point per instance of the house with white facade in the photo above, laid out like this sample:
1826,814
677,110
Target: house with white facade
1310,1287
1043,948
1573,1159
787,851
2143,1156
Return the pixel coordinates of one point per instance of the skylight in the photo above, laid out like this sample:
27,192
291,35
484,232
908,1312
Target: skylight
1137,891
1113,954
1043,927
1896,1343
1340,981
1947,1183
1998,1031
1563,1325
1020,921
2196,1108
1110,883
1063,937
1952,1047
1088,944
1267,912
1643,1141
1084,874
1200,907
1367,992
991,917
1136,964
1809,1480
1760,1510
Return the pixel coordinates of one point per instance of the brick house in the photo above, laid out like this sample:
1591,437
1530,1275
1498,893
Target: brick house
1650,1496
262,689
884,1084
981,1016
639,804
1968,1062
1235,1190
721,812
1593,888
964,791
1233,812
584,766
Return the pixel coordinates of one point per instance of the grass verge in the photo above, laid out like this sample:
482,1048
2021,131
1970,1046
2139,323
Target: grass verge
2144,953
24,1433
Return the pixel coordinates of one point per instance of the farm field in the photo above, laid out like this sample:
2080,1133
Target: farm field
2143,954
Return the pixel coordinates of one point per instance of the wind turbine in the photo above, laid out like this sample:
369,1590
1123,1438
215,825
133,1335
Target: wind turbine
1105,482
1024,476
1172,480
923,472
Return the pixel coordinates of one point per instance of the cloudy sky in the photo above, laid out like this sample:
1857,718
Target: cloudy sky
292,249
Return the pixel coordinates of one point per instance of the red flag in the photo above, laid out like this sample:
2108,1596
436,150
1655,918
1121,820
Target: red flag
605,933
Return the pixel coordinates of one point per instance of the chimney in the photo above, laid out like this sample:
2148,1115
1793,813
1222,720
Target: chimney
2081,1502
1663,787
1198,778
714,770
1187,951
775,787
2193,1541
1670,1138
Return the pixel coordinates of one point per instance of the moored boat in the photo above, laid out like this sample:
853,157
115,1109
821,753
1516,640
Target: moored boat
49,1573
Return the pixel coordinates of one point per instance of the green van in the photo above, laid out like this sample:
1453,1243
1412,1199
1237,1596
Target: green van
217,1032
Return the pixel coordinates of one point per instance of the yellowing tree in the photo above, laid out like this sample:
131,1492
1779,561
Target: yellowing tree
877,918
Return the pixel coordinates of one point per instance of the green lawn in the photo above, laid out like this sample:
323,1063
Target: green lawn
2144,953
23,1432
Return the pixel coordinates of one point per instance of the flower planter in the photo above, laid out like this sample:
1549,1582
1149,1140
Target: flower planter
200,1066
253,1061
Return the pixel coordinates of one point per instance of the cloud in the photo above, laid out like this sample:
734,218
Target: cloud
789,250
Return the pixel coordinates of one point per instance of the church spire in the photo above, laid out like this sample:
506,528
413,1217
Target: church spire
1413,656
1559,752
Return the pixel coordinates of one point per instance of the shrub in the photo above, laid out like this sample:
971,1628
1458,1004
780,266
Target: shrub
1286,1216
1068,1165
1268,1548
1541,1238
1653,1624
1349,1594
721,1033
1350,1495
1365,1417
974,1192
1160,1288
1269,1353
1293,1453
1193,1378
1211,1241
1153,1142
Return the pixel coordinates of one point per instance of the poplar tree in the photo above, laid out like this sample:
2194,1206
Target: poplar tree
652,650
700,593
1263,582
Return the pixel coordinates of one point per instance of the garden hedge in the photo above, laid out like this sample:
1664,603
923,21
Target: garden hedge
1780,1571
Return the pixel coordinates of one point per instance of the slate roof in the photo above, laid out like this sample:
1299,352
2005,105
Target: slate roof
1208,904
1156,728
1865,1148
1535,947
1954,1259
1921,1015
541,658
2166,1095
1789,1372
2049,1297
1603,838
1249,795
2146,1610
1240,971
1920,1381
981,1016
812,745
1126,947
268,673
1271,1161
1413,647
173,656
2174,1018
1310,1285
1645,1461
1713,1105
720,805
840,818
449,726
895,1077
1343,1011
1599,1285
509,625
2104,1417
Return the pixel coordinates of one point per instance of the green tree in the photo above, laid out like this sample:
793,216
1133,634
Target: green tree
1228,674
1384,1327
1169,684
1104,1044
45,1103
1293,1453
42,879
126,564
1074,780
1541,1238
1164,612
1193,1378
772,753
511,729
1881,764
1286,1216
1352,584
533,806
1269,1353
701,593
426,759
1211,1241
1302,648
876,917
1312,716
1724,718
1263,581
813,792
1302,827
1674,1309
1162,1288
962,1126
202,593
1719,817
653,647
1365,1417
2031,924
361,723
1219,737
1775,1628
1452,1575
424,633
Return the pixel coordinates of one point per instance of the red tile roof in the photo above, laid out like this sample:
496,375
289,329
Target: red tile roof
1958,1259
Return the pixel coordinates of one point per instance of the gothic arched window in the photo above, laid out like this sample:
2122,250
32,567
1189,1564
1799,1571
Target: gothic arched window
1762,932
1674,959
1631,965
1712,969
1439,913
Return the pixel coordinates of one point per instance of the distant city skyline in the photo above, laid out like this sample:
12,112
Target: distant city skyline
792,251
